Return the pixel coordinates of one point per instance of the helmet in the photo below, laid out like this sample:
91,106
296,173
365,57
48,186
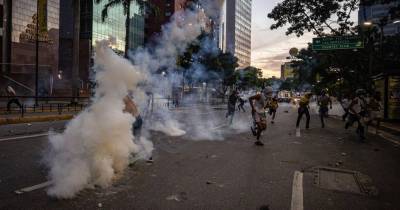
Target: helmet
360,92
267,91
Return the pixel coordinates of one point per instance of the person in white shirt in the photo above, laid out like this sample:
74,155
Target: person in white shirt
358,110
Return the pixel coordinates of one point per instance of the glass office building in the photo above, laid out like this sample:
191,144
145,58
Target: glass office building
114,26
19,44
235,29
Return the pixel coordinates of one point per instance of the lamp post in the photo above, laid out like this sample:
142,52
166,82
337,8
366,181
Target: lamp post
37,56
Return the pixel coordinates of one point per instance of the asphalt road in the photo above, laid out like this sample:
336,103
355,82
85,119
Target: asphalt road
227,173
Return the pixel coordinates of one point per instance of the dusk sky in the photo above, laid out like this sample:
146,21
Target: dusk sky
270,48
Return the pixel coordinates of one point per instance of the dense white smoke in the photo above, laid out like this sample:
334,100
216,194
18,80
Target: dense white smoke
97,143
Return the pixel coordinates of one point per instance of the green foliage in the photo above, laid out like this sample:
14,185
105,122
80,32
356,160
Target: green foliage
249,77
322,17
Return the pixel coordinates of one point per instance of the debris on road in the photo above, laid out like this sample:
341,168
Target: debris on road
100,205
344,154
210,182
182,196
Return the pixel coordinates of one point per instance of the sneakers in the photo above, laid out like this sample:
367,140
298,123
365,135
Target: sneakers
259,143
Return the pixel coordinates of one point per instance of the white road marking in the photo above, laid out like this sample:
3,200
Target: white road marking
219,126
298,132
297,191
24,137
34,187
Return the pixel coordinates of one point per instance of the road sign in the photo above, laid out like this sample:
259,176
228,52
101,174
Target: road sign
337,43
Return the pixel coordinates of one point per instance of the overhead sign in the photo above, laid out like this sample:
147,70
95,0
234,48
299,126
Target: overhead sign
338,43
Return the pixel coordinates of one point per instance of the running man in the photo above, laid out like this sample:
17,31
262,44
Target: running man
323,102
258,105
273,106
232,106
12,98
304,109
241,104
358,110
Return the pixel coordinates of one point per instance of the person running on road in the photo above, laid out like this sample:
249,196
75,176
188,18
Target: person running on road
304,109
232,106
273,106
323,101
374,110
345,102
259,103
358,110
12,98
241,104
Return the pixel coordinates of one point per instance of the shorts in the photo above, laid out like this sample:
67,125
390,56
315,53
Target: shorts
323,110
260,117
271,111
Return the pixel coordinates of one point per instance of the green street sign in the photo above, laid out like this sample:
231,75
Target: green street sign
337,43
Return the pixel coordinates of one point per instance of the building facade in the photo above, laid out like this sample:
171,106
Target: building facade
375,12
93,29
235,29
287,71
20,20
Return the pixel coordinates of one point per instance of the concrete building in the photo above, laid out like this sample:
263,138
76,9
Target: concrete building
287,71
235,29
375,12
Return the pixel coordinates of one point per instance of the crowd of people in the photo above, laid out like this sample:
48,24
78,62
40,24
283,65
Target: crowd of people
360,108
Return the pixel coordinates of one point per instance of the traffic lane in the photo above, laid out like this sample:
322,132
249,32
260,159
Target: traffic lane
21,165
31,128
237,172
333,145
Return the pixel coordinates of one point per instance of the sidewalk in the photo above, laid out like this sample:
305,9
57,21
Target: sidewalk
16,118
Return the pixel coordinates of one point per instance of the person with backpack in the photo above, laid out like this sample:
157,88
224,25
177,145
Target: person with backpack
357,111
323,101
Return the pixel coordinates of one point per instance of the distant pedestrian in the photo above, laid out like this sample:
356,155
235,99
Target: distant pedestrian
12,98
323,101
241,104
273,106
232,106
304,109
357,111
374,110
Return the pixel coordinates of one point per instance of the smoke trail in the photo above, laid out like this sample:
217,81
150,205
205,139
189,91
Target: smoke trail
97,143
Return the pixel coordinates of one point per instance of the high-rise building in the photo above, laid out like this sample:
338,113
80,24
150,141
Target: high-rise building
235,30
20,21
93,29
163,10
375,12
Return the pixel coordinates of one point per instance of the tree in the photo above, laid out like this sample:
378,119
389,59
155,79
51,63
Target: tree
250,77
322,17
126,5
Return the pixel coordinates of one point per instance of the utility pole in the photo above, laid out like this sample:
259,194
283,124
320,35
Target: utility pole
75,48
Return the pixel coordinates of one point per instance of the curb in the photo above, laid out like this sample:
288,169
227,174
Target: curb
17,120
